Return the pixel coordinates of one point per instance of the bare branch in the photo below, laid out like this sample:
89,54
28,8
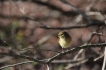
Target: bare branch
55,56
77,10
22,10
72,27
16,64
21,56
75,49
76,64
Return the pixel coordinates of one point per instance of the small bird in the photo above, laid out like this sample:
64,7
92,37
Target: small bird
64,39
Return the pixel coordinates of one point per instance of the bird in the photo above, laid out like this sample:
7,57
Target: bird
64,39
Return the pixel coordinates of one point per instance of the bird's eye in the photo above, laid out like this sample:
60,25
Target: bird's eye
62,34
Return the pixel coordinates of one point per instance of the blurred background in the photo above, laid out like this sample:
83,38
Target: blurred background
23,22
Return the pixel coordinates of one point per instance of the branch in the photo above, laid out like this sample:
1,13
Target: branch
68,61
22,56
75,49
55,56
92,23
76,64
15,64
77,10
73,27
23,12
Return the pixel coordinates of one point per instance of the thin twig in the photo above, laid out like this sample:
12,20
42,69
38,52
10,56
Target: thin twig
94,3
15,64
104,61
67,61
22,56
76,64
23,12
98,57
77,10
93,34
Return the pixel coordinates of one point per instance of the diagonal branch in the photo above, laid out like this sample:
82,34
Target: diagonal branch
77,10
75,49
49,60
15,64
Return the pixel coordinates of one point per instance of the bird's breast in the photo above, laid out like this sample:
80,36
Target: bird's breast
64,43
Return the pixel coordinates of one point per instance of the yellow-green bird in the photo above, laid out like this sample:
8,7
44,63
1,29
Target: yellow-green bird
64,39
